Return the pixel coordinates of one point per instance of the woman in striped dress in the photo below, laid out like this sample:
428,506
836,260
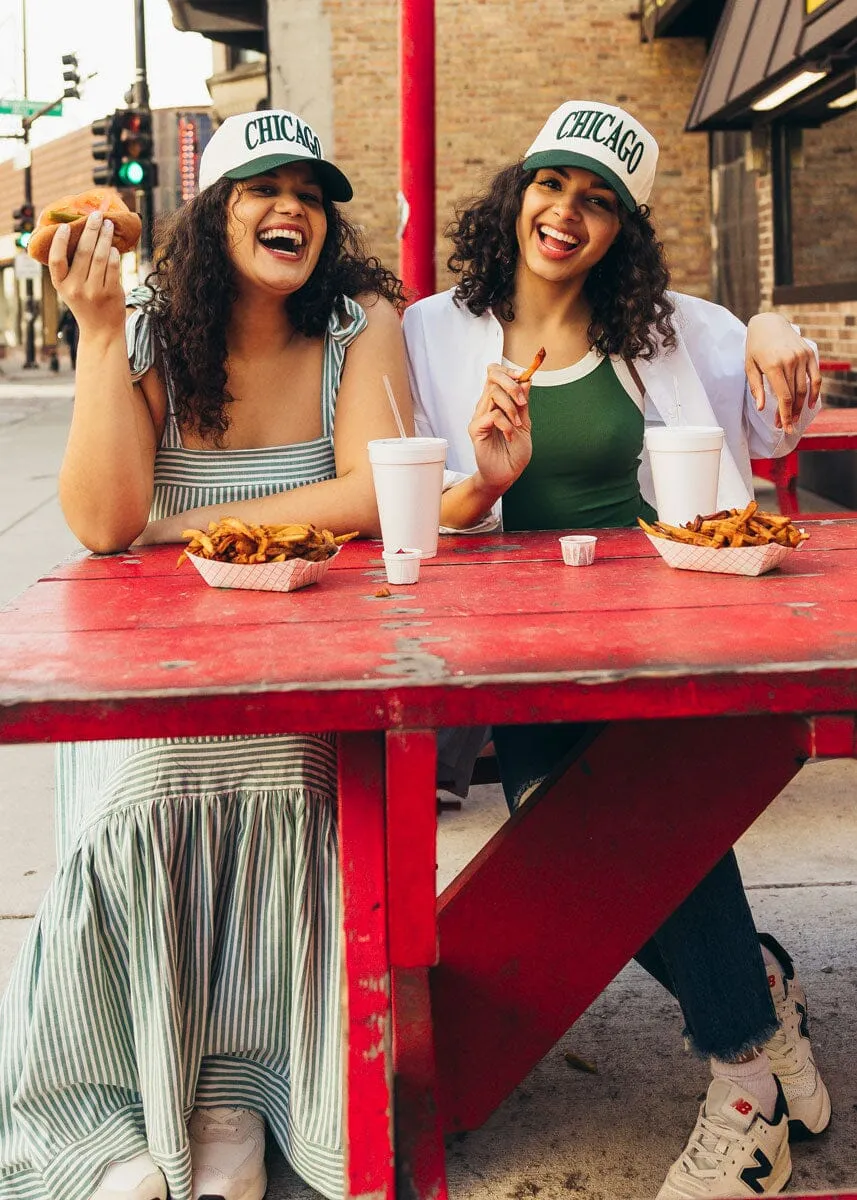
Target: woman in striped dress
180,988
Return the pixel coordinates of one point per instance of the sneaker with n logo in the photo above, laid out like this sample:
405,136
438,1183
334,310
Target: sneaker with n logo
790,1049
733,1150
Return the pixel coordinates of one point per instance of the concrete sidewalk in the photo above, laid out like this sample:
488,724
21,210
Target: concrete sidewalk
563,1133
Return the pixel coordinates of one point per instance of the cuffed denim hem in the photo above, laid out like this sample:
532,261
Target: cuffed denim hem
730,1054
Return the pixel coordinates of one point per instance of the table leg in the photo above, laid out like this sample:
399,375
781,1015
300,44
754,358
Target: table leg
784,473
411,871
367,1067
573,885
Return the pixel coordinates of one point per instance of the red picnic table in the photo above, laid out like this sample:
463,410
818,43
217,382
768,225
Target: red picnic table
832,429
717,689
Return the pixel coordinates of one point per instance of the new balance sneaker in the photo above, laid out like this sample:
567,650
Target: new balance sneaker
227,1148
790,1050
138,1178
733,1150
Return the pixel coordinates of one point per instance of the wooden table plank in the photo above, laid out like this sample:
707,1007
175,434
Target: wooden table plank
538,587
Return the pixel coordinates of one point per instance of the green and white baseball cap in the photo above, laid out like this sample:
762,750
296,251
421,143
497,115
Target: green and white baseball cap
254,142
603,139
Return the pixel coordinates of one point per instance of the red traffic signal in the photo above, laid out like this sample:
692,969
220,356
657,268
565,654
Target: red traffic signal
25,218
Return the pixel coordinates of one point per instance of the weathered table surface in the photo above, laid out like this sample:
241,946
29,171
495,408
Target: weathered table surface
760,671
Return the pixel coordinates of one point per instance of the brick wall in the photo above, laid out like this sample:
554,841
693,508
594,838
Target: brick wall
824,178
502,66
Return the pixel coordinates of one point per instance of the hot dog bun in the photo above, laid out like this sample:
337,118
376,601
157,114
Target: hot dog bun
73,211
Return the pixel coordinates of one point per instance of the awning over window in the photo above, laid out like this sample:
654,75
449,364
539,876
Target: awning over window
680,18
235,22
760,44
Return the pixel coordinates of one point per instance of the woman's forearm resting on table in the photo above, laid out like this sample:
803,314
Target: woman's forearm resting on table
344,505
468,502
106,478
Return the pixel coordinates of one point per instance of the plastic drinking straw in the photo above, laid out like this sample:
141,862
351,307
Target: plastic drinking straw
677,401
399,424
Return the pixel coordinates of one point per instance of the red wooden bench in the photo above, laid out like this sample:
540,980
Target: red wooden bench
832,429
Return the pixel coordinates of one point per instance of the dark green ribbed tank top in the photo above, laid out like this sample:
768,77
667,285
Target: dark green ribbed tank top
587,440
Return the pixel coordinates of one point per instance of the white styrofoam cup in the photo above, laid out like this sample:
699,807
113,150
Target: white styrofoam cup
685,469
408,476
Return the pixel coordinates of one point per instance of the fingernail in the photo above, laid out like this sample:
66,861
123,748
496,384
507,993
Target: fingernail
63,230
108,225
94,218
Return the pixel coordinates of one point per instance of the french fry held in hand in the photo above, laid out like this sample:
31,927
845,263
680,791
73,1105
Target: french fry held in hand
232,540
731,528
534,365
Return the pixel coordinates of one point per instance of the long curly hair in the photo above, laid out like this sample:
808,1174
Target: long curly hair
193,288
626,290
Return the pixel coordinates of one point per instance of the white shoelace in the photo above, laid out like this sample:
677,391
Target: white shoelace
221,1120
708,1146
781,1046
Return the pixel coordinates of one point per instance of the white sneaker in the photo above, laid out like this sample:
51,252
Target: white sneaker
733,1150
227,1148
138,1178
790,1050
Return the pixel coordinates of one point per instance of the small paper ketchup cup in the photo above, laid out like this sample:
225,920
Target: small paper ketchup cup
403,566
578,550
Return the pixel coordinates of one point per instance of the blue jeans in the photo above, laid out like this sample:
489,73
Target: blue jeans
707,953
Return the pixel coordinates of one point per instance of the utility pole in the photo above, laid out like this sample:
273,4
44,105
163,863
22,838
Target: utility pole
145,194
30,362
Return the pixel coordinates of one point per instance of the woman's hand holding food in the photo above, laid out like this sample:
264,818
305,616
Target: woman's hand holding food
777,353
90,284
500,429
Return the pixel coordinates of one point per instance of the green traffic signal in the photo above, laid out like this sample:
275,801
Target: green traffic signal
131,173
24,223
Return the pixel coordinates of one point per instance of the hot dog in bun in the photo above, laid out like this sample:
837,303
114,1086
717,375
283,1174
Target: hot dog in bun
73,211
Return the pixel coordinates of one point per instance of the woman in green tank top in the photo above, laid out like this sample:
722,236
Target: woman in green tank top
561,252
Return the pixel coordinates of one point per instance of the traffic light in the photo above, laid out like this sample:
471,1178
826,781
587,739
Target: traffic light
135,168
106,149
25,220
122,142
70,77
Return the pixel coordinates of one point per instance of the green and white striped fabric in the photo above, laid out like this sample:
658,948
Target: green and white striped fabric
188,950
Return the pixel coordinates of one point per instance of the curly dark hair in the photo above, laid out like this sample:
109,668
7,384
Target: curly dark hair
193,289
626,290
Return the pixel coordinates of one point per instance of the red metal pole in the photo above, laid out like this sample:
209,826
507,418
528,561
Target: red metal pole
416,150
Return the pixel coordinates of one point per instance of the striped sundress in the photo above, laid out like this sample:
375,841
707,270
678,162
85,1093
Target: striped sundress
187,951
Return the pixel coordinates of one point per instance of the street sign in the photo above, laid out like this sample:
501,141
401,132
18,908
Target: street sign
26,267
28,108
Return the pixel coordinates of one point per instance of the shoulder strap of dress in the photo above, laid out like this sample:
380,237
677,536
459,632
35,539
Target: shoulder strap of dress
341,332
139,335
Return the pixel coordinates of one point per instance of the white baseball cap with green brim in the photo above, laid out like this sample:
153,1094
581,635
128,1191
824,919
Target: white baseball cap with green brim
255,142
603,139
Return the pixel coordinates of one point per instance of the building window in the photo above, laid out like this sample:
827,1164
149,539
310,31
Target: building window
237,56
735,223
815,235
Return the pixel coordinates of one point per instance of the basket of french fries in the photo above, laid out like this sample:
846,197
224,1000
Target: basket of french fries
730,542
266,558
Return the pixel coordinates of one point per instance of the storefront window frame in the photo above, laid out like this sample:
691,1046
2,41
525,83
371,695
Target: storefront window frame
785,290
